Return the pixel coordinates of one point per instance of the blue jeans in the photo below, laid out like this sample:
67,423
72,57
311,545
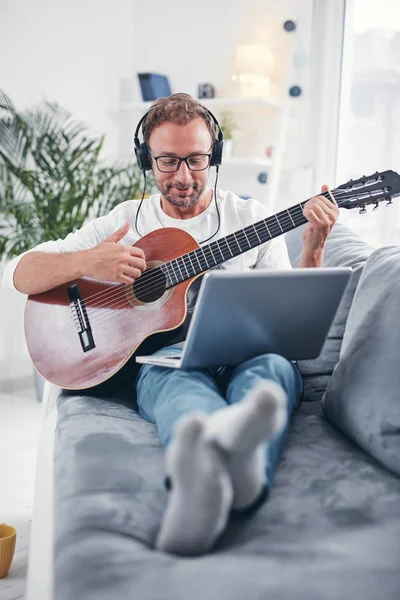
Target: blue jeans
164,395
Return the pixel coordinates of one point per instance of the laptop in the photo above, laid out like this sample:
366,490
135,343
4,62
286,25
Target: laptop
239,315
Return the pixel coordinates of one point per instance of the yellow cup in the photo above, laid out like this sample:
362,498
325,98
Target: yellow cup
8,537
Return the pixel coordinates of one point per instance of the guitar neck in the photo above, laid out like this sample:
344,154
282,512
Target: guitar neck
206,257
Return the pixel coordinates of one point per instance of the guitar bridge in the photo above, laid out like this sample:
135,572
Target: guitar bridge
80,318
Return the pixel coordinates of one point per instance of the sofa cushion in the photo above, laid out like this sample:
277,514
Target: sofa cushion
363,396
330,529
317,372
344,248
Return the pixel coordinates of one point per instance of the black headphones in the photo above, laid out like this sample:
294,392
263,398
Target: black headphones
142,151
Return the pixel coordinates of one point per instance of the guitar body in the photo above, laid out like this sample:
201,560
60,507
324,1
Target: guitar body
119,321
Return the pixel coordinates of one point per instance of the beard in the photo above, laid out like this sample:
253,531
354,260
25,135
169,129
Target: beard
190,194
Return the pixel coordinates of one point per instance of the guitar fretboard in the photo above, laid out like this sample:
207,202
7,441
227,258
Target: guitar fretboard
200,260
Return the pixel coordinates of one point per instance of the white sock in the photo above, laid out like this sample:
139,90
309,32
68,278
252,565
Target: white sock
201,494
241,430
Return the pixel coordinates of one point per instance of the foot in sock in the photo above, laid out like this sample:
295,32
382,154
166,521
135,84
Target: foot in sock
201,495
241,431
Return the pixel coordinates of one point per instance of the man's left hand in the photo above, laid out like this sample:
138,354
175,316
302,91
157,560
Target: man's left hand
321,214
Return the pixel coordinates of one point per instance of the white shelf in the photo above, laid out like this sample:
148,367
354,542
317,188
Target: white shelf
241,104
233,104
264,163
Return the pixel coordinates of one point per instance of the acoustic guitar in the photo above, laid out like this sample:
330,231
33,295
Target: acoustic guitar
81,333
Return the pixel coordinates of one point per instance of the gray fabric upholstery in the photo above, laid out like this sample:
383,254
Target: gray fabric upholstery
343,249
363,396
330,530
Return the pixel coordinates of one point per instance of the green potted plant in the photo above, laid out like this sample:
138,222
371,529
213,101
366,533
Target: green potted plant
52,178
228,127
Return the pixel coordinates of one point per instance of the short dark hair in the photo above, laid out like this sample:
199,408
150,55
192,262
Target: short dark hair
180,109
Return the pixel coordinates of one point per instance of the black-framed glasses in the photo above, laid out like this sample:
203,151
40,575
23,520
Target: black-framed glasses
194,162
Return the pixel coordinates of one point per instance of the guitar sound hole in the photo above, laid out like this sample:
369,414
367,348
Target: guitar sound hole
150,286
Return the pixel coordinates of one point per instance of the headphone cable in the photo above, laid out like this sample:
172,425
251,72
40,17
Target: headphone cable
215,200
140,205
216,206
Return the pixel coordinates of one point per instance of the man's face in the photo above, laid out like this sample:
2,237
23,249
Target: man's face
182,188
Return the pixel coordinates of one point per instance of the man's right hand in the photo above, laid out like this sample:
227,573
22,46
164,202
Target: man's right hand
111,261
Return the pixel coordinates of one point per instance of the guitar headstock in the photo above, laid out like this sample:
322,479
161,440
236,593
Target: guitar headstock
368,190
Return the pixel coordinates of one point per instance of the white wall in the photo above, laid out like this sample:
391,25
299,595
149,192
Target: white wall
14,360
71,52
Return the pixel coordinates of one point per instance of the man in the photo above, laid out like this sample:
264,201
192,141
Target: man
223,428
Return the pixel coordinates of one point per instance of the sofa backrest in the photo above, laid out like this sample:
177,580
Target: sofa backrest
344,248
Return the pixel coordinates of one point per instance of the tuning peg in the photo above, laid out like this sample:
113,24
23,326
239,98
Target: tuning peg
389,201
362,209
376,204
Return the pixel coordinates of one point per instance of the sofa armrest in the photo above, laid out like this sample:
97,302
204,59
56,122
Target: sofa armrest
40,565
49,398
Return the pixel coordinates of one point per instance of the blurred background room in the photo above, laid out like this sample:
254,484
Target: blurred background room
306,92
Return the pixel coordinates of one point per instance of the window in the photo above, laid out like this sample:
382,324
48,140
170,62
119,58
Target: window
369,126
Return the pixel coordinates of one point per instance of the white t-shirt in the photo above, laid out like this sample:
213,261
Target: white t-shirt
235,214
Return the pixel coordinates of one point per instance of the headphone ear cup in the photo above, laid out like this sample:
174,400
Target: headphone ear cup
142,157
216,156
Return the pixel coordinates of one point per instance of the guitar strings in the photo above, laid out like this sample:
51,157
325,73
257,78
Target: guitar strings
119,294
286,220
159,274
121,297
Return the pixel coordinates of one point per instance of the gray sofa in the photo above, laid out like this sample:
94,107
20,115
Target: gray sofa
330,529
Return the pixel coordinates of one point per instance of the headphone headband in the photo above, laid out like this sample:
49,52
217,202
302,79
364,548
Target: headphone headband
142,151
